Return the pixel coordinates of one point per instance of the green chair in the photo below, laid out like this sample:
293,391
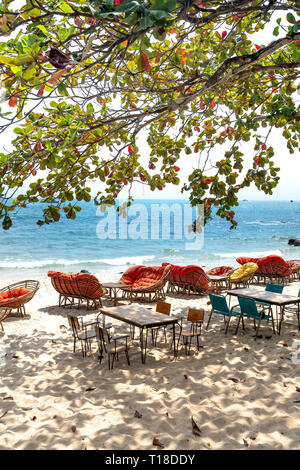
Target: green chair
219,306
274,288
249,309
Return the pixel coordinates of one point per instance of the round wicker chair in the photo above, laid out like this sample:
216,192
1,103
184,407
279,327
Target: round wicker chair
242,276
17,302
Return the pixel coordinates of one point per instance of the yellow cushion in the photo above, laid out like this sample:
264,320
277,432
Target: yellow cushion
244,271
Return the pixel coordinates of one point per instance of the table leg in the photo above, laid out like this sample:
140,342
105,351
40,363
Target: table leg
281,319
174,341
115,296
143,345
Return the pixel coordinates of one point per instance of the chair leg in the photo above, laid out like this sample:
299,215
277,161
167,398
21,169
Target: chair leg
209,318
127,357
258,325
227,326
238,323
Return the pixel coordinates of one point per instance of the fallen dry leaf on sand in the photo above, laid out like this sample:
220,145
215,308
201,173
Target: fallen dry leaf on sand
62,327
90,389
245,443
233,379
297,389
138,415
73,428
157,443
196,429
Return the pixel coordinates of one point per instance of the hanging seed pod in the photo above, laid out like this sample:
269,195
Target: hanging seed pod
7,223
57,58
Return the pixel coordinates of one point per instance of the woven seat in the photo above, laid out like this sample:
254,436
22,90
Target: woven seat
77,288
242,276
145,282
188,279
15,296
270,268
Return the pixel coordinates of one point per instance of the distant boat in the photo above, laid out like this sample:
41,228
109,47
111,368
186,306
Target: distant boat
291,200
245,200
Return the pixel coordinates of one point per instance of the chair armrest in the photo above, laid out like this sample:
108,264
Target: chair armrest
235,306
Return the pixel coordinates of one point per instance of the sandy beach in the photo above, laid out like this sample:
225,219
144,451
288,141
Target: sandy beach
241,393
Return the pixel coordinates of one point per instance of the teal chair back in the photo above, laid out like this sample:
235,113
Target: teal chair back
274,288
218,303
248,307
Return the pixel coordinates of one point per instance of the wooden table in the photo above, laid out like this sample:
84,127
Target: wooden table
142,318
272,298
114,287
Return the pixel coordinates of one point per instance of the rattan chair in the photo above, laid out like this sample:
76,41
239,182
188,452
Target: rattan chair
4,313
154,290
111,346
242,276
75,289
18,302
195,318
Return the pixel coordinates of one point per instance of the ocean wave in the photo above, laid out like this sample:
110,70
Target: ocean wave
253,254
67,262
271,223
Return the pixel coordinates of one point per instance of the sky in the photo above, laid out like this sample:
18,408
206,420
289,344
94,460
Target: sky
287,189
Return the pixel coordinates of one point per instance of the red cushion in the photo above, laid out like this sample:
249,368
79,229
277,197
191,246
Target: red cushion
271,264
219,270
77,284
13,294
143,276
190,274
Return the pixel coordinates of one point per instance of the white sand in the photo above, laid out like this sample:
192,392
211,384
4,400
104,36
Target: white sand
43,386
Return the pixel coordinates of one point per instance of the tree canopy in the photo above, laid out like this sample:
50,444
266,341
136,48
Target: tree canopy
83,80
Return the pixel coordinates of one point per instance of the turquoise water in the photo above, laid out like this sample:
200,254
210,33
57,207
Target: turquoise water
28,250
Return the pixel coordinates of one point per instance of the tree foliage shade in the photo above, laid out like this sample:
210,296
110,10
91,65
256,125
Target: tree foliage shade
83,80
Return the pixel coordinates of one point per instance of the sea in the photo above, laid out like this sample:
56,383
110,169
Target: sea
154,231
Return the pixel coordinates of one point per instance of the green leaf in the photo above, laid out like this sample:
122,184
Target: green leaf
291,19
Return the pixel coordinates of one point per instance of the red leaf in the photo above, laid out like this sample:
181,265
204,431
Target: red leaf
263,146
41,90
212,104
257,47
13,101
38,147
130,150
145,62
176,168
224,34
78,21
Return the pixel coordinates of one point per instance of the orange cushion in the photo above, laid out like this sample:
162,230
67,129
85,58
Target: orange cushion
191,274
219,270
13,294
143,276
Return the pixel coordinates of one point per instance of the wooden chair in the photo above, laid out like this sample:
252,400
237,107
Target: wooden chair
165,308
195,318
111,346
83,333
